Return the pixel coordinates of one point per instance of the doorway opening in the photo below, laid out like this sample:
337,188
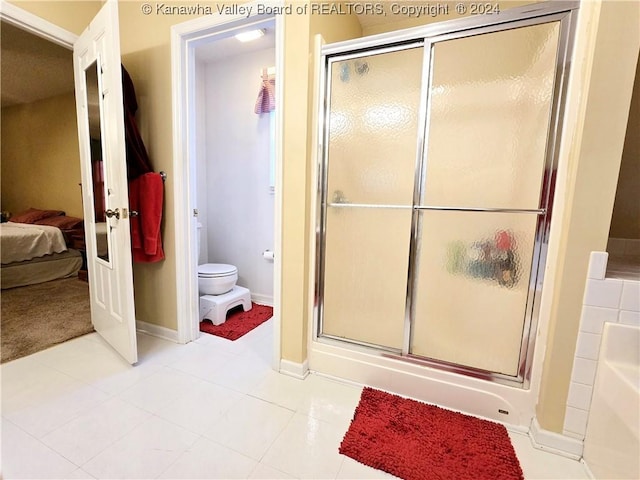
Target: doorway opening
41,190
119,312
624,234
227,161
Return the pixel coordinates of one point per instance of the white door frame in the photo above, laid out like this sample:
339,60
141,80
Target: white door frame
38,26
184,39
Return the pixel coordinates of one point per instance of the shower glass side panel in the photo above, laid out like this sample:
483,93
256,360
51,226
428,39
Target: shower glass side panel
482,201
371,131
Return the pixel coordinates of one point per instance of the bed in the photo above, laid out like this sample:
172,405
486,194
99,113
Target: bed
33,248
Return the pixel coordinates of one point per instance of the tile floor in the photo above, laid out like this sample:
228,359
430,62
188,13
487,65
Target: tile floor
209,409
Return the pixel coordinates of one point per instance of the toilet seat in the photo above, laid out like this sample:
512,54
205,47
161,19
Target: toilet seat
216,270
216,278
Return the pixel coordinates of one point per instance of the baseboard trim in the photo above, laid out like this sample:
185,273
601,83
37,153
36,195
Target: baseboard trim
293,369
157,331
555,442
262,299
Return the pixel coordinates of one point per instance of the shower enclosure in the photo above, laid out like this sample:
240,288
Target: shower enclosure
439,148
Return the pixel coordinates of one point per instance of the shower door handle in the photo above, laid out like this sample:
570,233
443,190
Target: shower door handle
339,197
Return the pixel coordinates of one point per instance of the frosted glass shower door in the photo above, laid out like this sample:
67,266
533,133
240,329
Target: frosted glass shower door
371,132
482,200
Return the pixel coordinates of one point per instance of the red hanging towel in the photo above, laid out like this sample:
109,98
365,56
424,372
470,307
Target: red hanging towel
146,196
266,101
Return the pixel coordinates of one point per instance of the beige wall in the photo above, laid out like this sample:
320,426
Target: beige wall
145,43
40,156
73,16
294,192
600,91
442,11
625,222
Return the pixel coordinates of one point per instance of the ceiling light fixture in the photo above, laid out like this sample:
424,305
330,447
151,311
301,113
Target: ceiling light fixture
250,35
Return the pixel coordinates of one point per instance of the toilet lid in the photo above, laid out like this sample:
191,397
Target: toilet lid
216,270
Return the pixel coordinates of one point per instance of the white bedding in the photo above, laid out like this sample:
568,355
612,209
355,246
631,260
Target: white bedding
22,241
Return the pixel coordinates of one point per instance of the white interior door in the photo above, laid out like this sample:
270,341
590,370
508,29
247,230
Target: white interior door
98,80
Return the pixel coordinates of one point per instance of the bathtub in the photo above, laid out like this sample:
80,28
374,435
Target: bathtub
612,441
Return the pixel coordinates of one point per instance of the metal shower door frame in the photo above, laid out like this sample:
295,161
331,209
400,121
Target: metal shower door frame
428,37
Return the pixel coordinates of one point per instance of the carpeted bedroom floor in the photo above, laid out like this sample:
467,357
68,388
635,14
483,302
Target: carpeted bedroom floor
40,316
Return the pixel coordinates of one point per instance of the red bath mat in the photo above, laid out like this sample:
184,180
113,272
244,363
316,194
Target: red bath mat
416,441
238,322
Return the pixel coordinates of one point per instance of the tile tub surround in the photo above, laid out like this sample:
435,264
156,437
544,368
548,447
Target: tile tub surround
606,300
612,440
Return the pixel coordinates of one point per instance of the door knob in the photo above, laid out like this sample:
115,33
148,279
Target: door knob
113,213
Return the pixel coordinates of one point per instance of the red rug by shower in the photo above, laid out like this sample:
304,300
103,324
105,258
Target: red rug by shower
238,322
416,441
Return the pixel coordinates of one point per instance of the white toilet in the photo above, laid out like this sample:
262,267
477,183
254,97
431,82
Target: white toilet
216,278
218,290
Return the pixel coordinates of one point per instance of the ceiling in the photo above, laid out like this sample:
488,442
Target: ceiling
32,68
228,46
